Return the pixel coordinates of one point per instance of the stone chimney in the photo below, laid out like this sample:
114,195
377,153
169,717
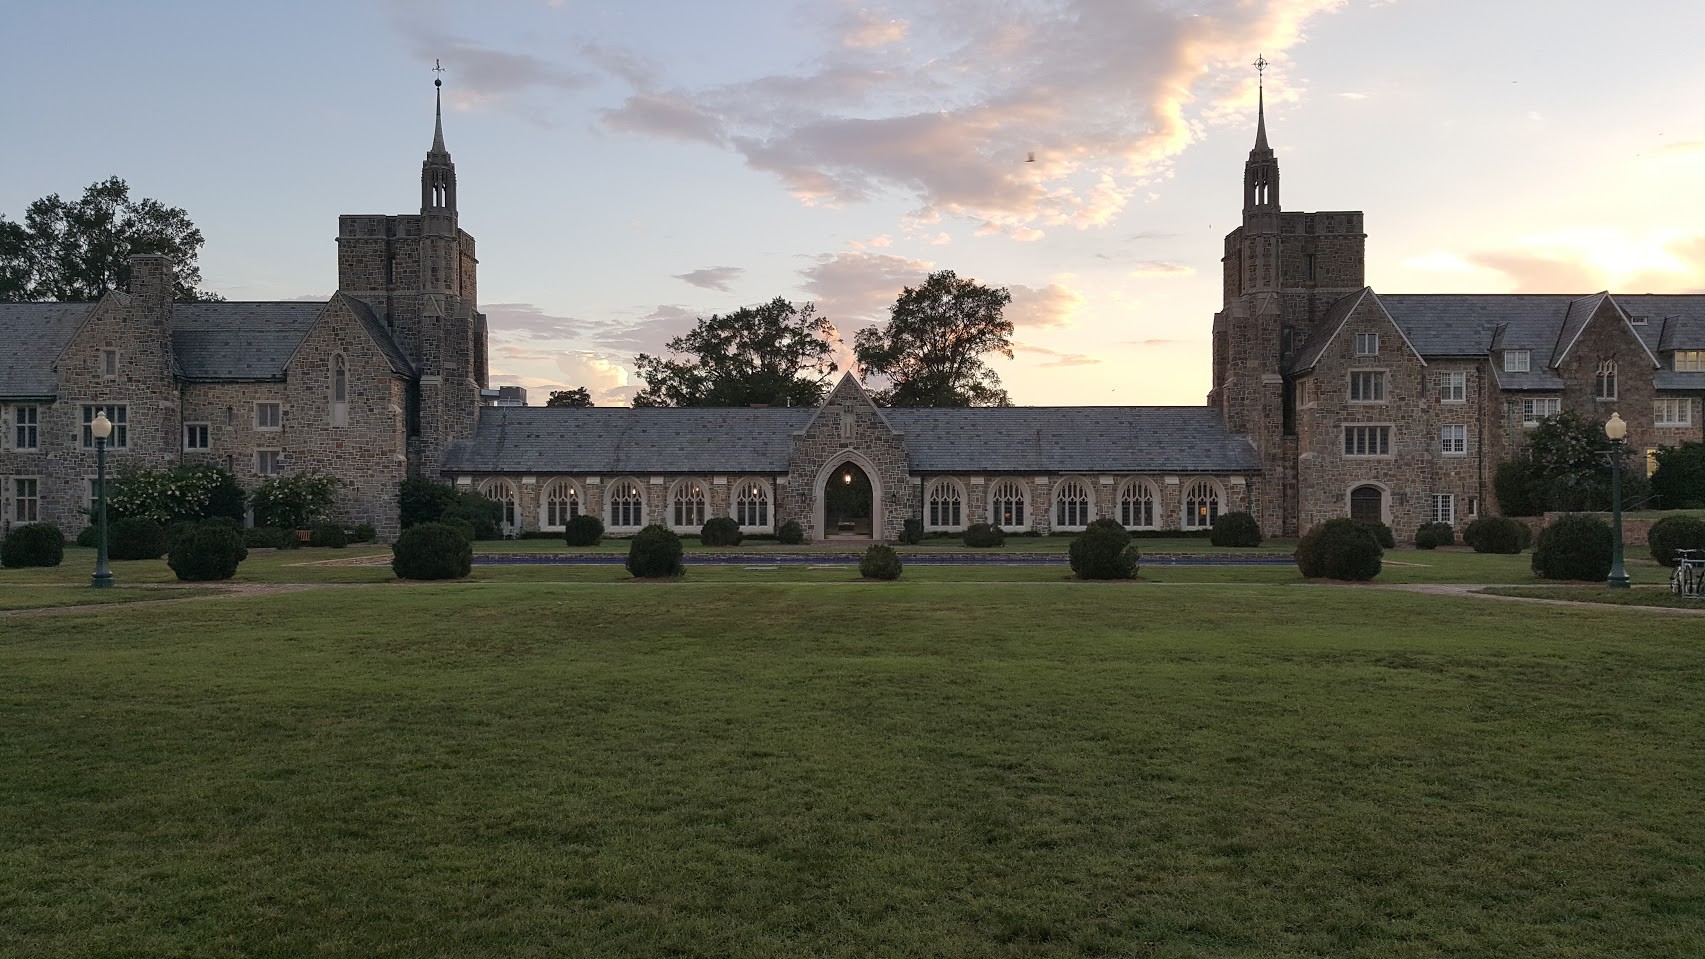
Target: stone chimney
151,276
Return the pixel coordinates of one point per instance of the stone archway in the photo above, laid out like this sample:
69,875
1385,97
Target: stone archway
847,493
1367,504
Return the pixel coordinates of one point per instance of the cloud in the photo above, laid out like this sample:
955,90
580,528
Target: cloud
1052,306
1057,358
476,72
712,278
1154,343
524,321
870,28
1352,96
666,116
605,379
1534,273
1154,268
1585,260
1439,261
1681,149
853,287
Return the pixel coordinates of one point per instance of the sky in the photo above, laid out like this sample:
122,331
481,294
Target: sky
628,167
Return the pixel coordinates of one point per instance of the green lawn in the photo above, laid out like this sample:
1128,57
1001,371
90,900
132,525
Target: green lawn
906,769
1576,593
35,597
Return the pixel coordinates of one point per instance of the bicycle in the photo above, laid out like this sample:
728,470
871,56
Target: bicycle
1689,577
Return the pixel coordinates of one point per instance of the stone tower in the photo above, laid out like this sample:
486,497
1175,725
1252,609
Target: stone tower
418,275
1281,273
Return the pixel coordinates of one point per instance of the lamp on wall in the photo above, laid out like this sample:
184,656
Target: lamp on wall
100,429
846,478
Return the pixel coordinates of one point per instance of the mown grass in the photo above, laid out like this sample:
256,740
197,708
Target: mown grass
1649,596
903,769
36,597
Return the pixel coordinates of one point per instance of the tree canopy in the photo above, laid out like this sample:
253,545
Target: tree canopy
579,396
77,250
775,353
931,351
1565,467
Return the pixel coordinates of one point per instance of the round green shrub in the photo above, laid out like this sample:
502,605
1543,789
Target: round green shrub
90,537
33,544
1104,551
720,531
655,553
1109,524
912,532
1574,547
790,533
1672,533
583,530
879,562
984,535
1235,529
136,538
364,533
1434,535
210,551
267,537
1339,549
433,551
1497,534
328,536
1380,532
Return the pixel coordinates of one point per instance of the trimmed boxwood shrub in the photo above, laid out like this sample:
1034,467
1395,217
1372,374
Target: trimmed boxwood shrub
720,531
90,537
583,530
423,501
1235,529
1672,533
1434,535
1380,532
483,516
984,535
432,551
209,551
328,536
33,544
879,562
655,553
1339,549
268,537
790,533
1574,547
1104,551
136,538
363,533
912,532
1497,534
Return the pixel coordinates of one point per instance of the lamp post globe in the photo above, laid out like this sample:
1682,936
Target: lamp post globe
1616,430
101,429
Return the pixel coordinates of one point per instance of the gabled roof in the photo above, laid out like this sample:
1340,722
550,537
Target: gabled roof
234,341
35,334
607,441
848,383
1327,330
381,336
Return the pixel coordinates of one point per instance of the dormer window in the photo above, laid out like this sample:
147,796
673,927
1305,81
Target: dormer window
1604,381
1367,344
1518,361
1637,320
1689,361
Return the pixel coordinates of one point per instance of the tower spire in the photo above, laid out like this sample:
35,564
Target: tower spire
438,109
438,173
1261,170
1261,103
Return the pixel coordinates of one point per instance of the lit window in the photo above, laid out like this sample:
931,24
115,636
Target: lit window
752,505
1444,508
1367,344
269,462
1690,361
562,503
118,414
1367,441
1071,505
688,505
1367,386
269,416
1136,505
1534,409
196,436
26,500
1604,381
627,505
1453,440
1517,361
1008,501
944,505
1672,412
1201,504
1453,387
27,434
502,492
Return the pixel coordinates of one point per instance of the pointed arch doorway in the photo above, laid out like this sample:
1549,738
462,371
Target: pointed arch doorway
848,501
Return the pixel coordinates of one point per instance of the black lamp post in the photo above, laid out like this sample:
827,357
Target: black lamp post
101,428
1616,430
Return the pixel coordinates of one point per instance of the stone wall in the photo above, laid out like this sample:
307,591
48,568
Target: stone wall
849,426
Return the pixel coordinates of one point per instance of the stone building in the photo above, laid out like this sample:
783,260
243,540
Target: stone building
369,387
1399,408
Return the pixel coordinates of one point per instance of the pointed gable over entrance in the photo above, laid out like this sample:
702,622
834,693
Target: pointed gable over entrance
848,428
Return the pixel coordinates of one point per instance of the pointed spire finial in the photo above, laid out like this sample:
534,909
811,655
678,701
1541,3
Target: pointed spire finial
1261,102
438,123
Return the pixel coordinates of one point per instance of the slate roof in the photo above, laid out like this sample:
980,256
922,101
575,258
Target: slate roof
35,334
239,341
1065,439
376,329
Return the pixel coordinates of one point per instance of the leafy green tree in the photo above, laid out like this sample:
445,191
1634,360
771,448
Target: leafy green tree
1680,480
1569,460
580,396
76,250
931,350
776,353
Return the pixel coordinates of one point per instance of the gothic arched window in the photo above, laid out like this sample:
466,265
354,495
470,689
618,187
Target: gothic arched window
502,492
627,505
687,505
1604,382
1201,504
340,391
562,503
944,505
1137,504
1009,501
751,506
1071,504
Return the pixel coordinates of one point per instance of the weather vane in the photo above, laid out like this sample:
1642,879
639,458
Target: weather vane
1260,66
437,68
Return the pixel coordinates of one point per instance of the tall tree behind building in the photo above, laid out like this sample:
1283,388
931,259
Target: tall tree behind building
580,396
776,353
931,350
76,250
